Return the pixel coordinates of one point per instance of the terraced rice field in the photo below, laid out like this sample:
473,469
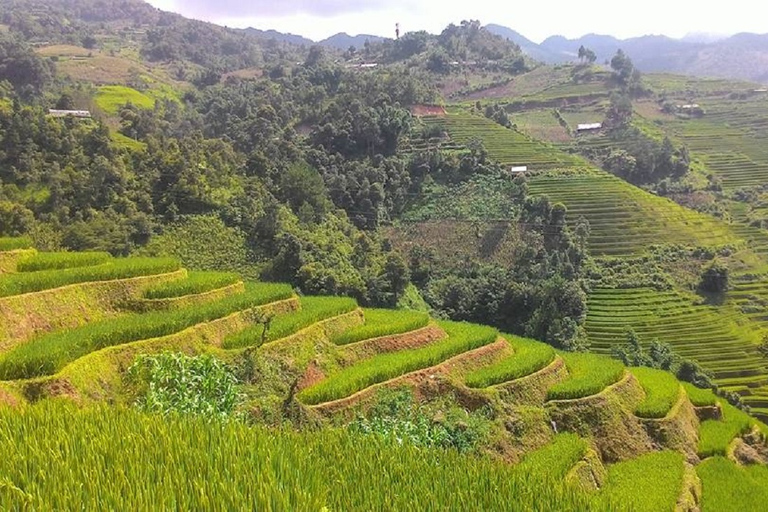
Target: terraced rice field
624,219
344,353
540,124
508,147
720,338
730,139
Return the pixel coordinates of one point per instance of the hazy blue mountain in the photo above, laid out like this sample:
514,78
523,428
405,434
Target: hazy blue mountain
530,48
343,41
742,56
279,36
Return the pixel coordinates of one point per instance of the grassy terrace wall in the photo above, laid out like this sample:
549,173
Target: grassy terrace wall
24,316
99,375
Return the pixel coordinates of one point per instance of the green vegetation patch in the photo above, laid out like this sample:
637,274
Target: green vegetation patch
589,375
700,397
176,383
123,142
14,243
48,354
195,283
383,322
227,465
111,98
461,338
313,310
662,391
529,357
728,487
556,458
651,483
62,260
716,435
27,282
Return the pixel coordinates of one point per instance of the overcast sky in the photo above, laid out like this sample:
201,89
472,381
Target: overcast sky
318,19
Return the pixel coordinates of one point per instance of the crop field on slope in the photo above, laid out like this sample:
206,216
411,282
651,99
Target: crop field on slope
730,139
730,488
275,469
528,357
713,336
540,124
662,390
716,435
118,268
508,147
589,374
110,98
313,310
624,219
382,322
649,483
462,337
50,353
102,454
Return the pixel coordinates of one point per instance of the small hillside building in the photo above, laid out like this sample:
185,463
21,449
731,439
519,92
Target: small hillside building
588,127
83,114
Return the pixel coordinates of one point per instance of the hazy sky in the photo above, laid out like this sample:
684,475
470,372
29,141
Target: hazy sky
318,19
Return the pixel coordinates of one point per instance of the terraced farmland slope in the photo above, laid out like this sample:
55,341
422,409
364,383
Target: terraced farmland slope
508,147
623,219
721,338
323,359
730,138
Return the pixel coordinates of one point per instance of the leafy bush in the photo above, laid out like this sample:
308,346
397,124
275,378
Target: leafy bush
461,338
714,278
62,260
195,283
661,356
48,354
176,383
313,310
13,243
225,248
529,357
662,391
27,282
589,374
396,415
383,322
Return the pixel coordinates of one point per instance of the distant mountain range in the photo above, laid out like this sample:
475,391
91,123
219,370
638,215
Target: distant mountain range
341,41
742,56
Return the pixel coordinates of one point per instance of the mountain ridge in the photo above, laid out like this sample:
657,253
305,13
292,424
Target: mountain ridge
720,57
